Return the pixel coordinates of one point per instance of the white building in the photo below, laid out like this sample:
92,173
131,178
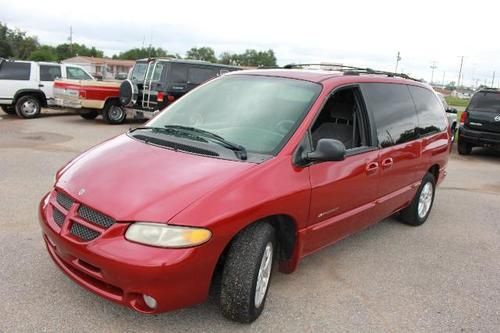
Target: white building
102,68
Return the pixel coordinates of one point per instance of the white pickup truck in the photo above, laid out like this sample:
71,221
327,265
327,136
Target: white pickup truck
27,86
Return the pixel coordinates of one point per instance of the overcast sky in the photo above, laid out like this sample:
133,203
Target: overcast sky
363,33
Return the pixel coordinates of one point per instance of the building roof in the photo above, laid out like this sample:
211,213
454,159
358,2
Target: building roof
99,61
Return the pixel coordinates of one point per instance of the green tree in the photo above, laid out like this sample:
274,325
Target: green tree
44,53
451,86
228,58
66,50
20,44
5,48
202,53
250,57
143,52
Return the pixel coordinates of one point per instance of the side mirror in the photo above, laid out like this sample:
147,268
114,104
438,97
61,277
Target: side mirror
327,150
452,110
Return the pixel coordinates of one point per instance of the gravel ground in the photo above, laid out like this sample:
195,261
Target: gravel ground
441,277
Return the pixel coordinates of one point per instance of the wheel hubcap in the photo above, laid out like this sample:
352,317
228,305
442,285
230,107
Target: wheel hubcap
264,274
29,108
116,113
425,200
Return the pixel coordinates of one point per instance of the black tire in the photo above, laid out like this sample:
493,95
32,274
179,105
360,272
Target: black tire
464,148
241,270
113,113
89,115
9,109
453,132
28,107
410,215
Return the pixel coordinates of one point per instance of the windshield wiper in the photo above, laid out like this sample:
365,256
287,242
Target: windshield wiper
239,150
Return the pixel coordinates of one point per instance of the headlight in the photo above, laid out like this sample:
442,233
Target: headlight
164,235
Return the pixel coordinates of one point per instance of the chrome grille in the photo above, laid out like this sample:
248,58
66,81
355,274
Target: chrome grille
95,217
83,232
58,216
64,200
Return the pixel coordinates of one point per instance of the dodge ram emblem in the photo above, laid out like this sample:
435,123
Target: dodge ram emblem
81,192
497,118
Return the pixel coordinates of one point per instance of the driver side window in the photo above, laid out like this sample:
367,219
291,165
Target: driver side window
341,119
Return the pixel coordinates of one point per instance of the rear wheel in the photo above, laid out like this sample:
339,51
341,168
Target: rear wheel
89,115
113,113
9,109
28,107
419,209
247,273
464,148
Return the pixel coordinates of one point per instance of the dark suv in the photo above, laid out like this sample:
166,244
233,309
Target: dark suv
155,83
480,123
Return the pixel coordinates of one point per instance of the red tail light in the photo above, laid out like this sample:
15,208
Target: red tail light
463,118
160,96
170,98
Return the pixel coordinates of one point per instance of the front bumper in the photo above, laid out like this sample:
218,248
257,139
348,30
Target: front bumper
478,137
122,271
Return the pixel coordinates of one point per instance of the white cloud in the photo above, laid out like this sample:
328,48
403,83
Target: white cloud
365,33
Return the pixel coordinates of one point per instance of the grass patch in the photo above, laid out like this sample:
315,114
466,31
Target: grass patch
455,101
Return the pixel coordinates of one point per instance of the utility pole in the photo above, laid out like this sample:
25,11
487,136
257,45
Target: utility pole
71,40
460,71
433,67
493,80
444,74
398,59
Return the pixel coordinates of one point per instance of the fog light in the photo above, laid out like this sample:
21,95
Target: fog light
150,301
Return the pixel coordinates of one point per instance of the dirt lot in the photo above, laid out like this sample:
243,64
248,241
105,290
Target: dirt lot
441,277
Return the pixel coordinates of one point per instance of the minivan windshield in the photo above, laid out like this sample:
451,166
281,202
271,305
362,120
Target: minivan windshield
486,101
258,113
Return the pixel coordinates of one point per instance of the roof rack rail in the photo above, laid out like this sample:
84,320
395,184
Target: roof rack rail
350,70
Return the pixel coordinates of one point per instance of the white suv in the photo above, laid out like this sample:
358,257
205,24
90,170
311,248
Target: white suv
27,86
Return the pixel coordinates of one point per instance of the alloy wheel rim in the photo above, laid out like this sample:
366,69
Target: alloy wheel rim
264,275
116,113
29,108
425,200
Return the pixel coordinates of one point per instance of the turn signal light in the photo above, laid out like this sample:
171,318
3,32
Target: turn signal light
160,96
463,118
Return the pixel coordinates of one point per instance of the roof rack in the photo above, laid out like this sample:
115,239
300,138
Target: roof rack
350,70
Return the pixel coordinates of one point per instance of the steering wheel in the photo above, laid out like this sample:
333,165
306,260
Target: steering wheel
284,126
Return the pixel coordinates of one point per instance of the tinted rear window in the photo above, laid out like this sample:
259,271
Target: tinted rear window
393,110
485,101
178,73
430,111
15,71
200,75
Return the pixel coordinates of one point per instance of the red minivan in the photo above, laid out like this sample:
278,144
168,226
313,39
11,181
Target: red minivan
252,169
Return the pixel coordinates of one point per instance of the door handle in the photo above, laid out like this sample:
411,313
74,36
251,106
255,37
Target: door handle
387,163
371,167
40,85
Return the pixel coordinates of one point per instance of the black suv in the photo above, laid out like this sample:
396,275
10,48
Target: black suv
155,83
480,123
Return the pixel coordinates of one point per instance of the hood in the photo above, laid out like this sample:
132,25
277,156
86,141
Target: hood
133,181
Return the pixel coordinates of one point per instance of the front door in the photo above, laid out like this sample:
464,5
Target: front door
49,73
343,192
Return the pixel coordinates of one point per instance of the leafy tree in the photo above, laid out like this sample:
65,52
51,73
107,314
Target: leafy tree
202,53
5,48
250,57
44,53
150,52
451,86
19,43
66,50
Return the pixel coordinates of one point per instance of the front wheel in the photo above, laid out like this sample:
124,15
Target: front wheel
247,273
113,113
28,107
419,209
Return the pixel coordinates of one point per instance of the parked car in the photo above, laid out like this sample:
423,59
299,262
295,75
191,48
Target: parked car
155,83
27,86
480,122
451,114
90,98
252,168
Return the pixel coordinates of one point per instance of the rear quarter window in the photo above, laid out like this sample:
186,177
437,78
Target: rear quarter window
200,75
15,71
50,72
393,111
430,111
177,73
